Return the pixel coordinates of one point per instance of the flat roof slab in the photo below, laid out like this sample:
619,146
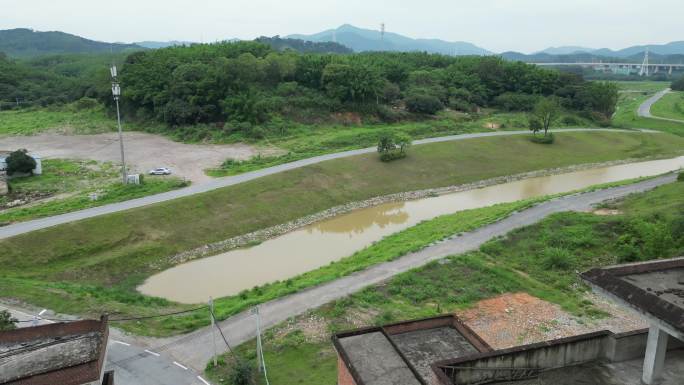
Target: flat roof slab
666,284
655,289
376,361
423,347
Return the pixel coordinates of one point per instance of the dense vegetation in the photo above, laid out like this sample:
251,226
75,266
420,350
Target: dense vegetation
239,86
55,79
678,85
281,44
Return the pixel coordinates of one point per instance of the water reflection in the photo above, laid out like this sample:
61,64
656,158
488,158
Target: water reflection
318,244
358,221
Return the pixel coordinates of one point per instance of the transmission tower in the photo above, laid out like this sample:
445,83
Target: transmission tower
644,66
382,31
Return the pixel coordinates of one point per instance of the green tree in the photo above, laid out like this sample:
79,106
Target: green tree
242,373
600,97
547,111
7,322
20,161
678,85
423,103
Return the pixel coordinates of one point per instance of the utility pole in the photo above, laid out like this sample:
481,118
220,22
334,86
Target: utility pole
116,92
260,349
213,324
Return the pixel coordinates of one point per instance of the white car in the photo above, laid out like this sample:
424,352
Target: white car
160,171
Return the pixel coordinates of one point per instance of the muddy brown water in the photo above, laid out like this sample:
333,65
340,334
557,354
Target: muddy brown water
318,244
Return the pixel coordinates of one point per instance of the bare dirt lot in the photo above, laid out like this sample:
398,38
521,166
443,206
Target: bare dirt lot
143,151
519,318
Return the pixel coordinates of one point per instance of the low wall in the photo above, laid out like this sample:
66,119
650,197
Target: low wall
529,360
4,187
525,361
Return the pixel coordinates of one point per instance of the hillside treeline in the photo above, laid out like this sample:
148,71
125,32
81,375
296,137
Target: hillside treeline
248,82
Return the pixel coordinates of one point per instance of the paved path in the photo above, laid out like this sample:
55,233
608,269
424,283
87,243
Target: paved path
196,348
24,227
644,110
132,365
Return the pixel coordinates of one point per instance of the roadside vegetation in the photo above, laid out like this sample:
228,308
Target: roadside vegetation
626,115
541,260
94,265
670,106
70,185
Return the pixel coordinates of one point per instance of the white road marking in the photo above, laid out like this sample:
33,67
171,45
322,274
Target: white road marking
203,380
179,365
152,353
121,342
42,312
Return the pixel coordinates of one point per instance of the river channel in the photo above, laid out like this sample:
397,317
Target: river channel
329,240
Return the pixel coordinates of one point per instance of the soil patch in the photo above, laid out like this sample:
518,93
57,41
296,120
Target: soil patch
143,151
518,318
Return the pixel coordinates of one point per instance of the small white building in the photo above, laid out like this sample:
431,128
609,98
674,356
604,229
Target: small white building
36,171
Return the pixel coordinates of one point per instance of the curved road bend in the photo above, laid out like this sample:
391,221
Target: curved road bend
37,224
195,348
644,110
132,365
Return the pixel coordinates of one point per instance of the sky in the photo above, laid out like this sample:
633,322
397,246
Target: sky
496,25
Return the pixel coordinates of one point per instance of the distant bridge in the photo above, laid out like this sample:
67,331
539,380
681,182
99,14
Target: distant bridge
650,68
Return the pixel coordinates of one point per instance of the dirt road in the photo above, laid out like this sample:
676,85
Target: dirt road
143,151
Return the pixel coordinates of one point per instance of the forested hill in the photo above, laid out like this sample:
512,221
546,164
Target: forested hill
246,85
22,42
281,44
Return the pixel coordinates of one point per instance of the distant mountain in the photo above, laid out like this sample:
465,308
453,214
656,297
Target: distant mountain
26,42
162,44
282,44
594,57
673,48
360,39
565,50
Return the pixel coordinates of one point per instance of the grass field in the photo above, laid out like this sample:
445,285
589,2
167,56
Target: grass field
65,185
64,119
670,106
540,259
94,265
626,114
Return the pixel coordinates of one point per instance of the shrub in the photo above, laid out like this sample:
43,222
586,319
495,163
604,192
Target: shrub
678,85
557,258
680,176
424,104
570,120
546,139
392,146
511,101
20,161
85,103
7,322
242,373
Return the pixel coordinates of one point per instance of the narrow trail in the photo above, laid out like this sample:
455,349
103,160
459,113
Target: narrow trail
644,110
196,348
37,224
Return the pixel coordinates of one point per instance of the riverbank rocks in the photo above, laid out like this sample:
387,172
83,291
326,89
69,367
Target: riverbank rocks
259,236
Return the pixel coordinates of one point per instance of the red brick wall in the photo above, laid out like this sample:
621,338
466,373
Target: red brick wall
343,375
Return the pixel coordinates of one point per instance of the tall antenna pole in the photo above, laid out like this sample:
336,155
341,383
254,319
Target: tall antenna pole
116,92
382,31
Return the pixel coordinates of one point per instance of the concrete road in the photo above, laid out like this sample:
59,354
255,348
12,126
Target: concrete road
132,364
644,110
25,227
196,348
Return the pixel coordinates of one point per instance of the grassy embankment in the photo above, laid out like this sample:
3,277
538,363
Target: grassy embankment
66,185
671,106
626,115
540,259
94,265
